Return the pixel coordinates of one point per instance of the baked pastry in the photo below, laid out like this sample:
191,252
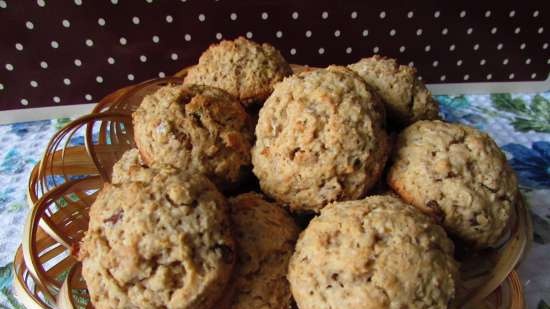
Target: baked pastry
320,138
373,253
197,128
265,235
163,243
457,174
130,167
245,69
406,98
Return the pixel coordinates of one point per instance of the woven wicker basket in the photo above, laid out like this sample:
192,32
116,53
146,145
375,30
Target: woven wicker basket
66,181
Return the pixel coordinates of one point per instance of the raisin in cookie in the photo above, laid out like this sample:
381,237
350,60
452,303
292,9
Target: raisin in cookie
197,128
243,68
164,243
374,253
265,235
320,138
406,98
458,174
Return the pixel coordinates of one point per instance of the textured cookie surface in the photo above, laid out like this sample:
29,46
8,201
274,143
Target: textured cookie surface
130,167
374,253
164,243
458,174
320,138
265,235
406,98
243,68
196,128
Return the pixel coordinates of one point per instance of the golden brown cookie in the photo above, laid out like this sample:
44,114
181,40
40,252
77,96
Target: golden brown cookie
457,174
320,138
164,243
374,253
405,96
245,69
197,128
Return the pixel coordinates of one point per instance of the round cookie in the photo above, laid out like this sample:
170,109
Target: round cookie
320,138
164,243
129,167
197,128
243,68
405,96
457,174
373,253
265,235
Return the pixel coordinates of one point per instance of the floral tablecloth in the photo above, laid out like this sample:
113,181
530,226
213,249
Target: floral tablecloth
519,123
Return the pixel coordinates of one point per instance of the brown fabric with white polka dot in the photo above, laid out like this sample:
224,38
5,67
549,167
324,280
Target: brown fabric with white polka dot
55,52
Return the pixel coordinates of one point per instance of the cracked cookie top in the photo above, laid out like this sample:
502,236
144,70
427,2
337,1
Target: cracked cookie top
245,69
164,243
373,253
320,138
459,175
199,128
405,96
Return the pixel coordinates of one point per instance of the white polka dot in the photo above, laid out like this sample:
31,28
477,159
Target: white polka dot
202,17
187,37
541,30
382,15
295,15
365,33
233,16
488,14
321,51
337,33
444,31
123,41
489,76
29,25
548,61
505,61
459,63
265,16
522,46
279,34
482,62
452,47
3,4
545,46
348,50
528,61
499,46
149,1
54,44
34,83
534,75
56,99
512,13
293,51
219,36
89,42
77,62
476,46
169,19
494,30
114,1
442,78
88,97
401,49
24,102
249,35
66,81
9,67
470,30
130,76
353,15
111,60
174,56
101,21
19,46
419,31
392,32
536,13
308,33
143,58
1,86
44,64
427,48
135,20
410,14
324,15
376,49
437,14
466,77
411,64
78,2
156,39
462,14
511,76
99,79
435,63
517,30
66,23
162,75
419,77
